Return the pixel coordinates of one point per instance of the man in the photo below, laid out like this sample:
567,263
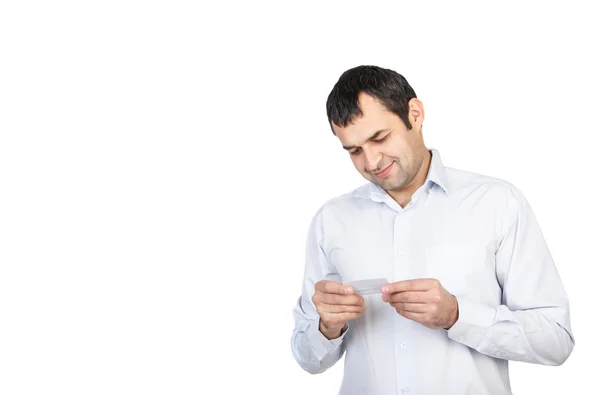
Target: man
471,282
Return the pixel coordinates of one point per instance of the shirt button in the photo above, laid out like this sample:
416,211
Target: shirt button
405,390
403,345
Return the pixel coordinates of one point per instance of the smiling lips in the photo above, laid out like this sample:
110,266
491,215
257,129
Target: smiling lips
385,172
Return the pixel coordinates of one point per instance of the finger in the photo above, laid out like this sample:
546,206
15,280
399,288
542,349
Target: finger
419,284
333,288
325,308
340,299
407,297
411,307
342,317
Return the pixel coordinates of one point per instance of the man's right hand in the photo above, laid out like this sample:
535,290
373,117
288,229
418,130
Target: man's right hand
336,303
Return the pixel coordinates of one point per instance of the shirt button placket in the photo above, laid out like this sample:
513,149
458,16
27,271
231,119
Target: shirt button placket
402,271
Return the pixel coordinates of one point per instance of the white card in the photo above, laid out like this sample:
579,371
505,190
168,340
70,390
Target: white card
367,287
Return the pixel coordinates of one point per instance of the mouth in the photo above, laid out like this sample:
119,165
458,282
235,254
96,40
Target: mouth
385,172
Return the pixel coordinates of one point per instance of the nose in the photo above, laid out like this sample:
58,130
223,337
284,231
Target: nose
372,160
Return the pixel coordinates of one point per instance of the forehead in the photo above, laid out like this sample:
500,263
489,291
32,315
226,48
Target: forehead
374,117
370,105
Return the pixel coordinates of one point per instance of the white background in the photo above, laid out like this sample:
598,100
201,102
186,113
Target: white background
160,163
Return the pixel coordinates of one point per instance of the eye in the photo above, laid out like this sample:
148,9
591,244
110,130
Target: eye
381,139
355,152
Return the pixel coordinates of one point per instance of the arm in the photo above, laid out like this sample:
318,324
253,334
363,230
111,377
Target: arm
312,350
533,322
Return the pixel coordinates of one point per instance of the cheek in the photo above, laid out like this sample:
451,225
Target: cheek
394,148
358,163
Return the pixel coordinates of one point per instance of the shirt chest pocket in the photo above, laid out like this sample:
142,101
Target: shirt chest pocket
459,267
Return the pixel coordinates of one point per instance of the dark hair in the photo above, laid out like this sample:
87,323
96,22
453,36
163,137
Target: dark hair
389,87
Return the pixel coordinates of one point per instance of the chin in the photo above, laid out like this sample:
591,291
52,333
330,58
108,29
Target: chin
392,186
385,185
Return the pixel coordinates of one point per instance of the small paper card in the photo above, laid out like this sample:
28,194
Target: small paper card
367,287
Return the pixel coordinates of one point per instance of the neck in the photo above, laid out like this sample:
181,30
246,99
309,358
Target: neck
404,195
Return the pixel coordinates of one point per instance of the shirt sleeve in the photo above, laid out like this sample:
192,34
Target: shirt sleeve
313,351
533,322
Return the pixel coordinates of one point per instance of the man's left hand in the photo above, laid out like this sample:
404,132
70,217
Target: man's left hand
423,300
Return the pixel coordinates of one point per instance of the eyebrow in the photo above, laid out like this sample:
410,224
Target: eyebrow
374,136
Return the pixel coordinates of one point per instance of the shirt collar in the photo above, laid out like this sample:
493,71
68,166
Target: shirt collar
437,171
436,175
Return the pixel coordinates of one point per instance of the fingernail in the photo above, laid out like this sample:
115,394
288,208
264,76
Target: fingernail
384,289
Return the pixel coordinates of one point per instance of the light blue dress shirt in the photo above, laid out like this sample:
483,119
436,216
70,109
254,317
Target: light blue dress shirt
479,237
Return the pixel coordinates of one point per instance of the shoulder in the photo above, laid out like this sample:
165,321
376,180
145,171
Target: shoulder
486,194
347,203
467,184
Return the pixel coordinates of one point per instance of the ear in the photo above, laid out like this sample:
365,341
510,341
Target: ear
416,113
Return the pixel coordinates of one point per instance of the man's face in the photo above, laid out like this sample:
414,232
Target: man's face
381,147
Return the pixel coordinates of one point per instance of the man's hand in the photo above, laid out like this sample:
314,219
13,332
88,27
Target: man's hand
336,304
424,300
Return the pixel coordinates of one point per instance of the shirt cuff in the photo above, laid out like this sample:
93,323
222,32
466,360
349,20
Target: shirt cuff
322,346
474,321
